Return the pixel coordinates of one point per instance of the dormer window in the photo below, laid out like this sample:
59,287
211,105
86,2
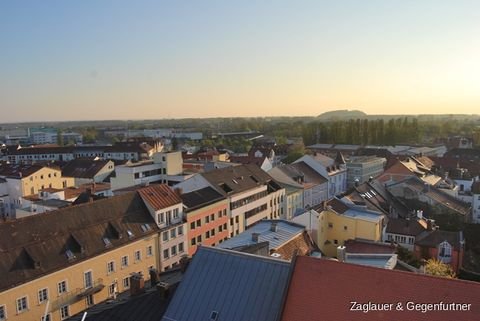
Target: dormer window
70,255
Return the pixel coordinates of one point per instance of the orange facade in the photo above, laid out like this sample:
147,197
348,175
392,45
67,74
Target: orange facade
207,226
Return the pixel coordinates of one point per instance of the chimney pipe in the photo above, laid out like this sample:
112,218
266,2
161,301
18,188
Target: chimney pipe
341,253
255,237
274,227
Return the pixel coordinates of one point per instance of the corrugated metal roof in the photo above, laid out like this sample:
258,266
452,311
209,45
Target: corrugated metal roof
159,196
286,231
238,286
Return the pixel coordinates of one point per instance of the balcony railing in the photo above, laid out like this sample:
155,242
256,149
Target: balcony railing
77,295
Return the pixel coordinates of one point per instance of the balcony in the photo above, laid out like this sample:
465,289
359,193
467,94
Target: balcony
77,295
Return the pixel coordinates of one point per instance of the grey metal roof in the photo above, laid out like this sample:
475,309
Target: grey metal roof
286,231
238,286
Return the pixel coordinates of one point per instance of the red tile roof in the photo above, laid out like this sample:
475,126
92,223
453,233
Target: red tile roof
323,290
159,196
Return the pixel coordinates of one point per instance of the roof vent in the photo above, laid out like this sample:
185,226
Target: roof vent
255,237
214,316
130,234
276,255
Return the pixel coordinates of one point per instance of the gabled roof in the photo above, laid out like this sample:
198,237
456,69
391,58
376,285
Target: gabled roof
84,168
237,286
435,194
287,238
159,196
19,171
237,179
402,226
200,198
324,290
310,175
37,245
434,238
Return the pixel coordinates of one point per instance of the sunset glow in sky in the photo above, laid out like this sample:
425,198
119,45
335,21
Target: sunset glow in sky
80,60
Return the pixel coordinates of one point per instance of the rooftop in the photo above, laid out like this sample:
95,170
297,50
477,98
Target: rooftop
324,289
201,198
232,285
84,168
159,196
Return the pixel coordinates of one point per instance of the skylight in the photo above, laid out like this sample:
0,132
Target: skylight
107,242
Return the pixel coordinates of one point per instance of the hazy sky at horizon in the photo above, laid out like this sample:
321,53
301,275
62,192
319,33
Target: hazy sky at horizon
65,60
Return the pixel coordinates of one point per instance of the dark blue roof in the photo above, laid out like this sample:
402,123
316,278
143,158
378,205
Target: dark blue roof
238,286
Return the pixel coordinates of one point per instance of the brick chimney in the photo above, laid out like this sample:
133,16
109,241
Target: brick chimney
137,284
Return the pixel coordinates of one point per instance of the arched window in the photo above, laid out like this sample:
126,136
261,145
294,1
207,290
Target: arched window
445,249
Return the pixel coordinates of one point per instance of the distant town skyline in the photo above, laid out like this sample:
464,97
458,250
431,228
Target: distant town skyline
94,60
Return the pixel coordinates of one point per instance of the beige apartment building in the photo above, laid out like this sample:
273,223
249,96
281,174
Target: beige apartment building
57,264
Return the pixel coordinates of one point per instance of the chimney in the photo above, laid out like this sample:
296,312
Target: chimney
274,227
184,262
341,253
137,284
255,237
178,191
163,289
420,214
154,279
431,225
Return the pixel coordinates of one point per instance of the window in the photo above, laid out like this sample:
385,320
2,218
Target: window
111,289
193,241
110,267
180,230
212,217
199,239
345,227
175,213
219,214
192,225
180,248
445,250
22,304
199,223
207,235
64,312
138,255
173,233
88,277
124,261
212,232
165,254
224,212
174,250
149,251
207,219
62,287
165,236
89,300
126,282
161,218
335,242
42,295
3,313
225,226
330,225
48,317
236,219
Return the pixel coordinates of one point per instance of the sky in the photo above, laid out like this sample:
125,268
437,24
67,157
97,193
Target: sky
114,59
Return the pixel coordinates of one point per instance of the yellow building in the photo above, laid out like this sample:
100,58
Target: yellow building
340,222
63,262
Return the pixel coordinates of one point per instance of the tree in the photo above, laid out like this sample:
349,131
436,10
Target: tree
437,268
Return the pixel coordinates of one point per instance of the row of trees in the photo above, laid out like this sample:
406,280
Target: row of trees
363,132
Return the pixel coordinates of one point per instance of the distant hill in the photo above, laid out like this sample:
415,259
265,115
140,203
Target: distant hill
342,114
